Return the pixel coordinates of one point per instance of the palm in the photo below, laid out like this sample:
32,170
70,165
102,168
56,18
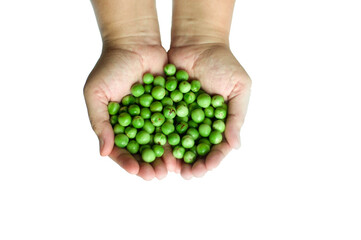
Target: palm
112,77
219,73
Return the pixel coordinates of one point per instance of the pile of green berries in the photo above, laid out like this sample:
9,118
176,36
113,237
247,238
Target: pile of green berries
171,109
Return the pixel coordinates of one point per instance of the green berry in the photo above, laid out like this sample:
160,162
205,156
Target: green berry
138,122
189,97
217,101
113,108
133,147
215,137
160,138
173,139
158,92
134,110
182,127
169,69
182,75
148,88
118,128
182,111
204,100
204,130
156,106
130,132
167,101
157,119
209,112
148,78
171,84
195,85
137,90
145,100
124,119
178,152
189,157
176,96
220,113
193,132
197,115
142,137
187,141
121,140
184,87
219,125
145,113
169,112
148,155
148,126
203,149
159,81
128,99
113,119
158,150
167,128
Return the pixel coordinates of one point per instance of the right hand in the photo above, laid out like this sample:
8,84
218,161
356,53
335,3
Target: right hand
111,79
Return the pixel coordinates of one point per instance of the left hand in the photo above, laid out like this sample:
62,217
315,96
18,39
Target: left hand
219,73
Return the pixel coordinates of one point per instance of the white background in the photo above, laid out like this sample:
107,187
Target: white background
296,176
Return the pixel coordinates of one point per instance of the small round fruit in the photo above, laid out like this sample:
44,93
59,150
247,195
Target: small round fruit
124,119
137,90
158,150
133,147
215,137
178,152
121,140
148,155
187,141
148,78
197,115
169,69
142,137
219,125
204,130
217,101
189,157
204,100
203,149
160,138
113,108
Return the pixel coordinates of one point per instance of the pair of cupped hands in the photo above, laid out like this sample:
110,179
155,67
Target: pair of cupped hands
119,67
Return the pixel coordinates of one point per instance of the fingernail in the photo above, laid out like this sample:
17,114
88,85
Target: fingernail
101,144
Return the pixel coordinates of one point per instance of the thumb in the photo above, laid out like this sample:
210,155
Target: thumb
237,109
97,105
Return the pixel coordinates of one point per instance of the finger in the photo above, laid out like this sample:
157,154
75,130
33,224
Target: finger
199,168
146,171
186,171
125,160
97,103
217,154
168,158
237,109
178,165
160,168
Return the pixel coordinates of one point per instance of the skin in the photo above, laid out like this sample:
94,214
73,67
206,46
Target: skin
131,47
199,44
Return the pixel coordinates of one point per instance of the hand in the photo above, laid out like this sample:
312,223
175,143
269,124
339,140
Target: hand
219,73
111,79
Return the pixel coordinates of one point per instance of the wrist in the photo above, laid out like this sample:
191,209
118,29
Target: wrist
187,32
201,22
132,32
